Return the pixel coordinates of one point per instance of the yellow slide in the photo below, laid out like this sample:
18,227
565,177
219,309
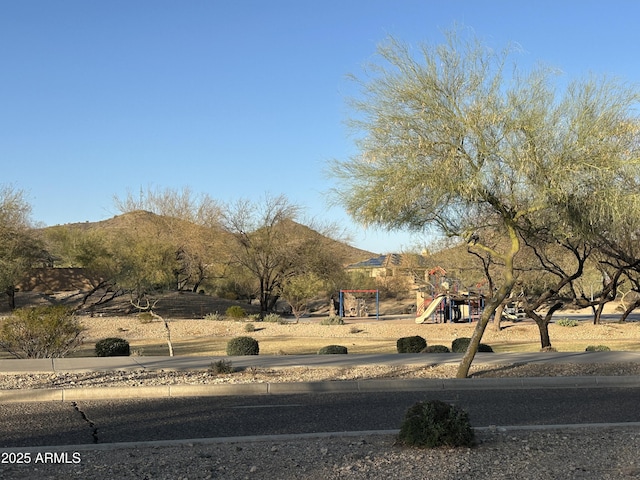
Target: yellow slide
430,309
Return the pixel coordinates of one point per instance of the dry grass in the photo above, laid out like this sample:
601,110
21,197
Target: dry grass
202,337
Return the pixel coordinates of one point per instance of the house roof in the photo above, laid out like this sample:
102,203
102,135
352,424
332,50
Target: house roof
381,261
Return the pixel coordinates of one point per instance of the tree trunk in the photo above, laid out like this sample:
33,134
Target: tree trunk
628,311
11,297
543,328
499,296
497,317
598,314
491,308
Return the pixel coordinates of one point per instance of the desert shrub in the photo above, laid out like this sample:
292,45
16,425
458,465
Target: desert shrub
242,346
41,332
333,349
413,344
567,322
597,348
460,345
434,423
254,317
112,347
221,367
332,321
354,329
249,327
145,317
235,311
215,317
272,318
437,349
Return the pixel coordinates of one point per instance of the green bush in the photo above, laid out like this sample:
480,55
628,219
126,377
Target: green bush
460,345
214,317
41,332
437,349
333,349
413,344
112,347
434,423
567,322
332,321
249,327
242,346
235,311
597,348
272,318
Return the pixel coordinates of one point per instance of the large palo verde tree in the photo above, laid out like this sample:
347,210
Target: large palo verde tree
454,139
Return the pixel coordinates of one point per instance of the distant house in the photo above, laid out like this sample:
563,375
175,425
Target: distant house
413,267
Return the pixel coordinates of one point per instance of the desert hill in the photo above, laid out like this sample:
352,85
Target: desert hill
166,228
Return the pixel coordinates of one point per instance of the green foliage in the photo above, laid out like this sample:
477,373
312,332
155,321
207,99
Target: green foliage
272,318
333,349
239,346
249,327
434,423
214,317
567,322
413,344
112,347
460,345
597,348
332,321
41,332
299,289
221,367
437,349
235,311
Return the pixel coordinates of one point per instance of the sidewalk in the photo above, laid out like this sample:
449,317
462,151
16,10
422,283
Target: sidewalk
95,364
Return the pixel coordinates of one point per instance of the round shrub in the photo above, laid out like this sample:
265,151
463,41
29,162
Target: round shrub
242,346
413,344
437,349
112,347
332,321
235,311
597,348
434,423
333,349
460,345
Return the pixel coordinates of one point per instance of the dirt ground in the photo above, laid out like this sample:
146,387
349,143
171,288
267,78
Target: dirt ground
209,337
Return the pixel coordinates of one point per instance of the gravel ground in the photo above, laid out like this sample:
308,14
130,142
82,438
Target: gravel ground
138,378
569,453
585,453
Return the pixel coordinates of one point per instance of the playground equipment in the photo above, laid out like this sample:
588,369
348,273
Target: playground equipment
353,305
442,302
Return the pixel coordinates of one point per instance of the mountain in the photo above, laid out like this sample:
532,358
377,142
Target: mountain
167,229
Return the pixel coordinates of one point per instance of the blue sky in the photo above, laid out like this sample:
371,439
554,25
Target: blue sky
236,98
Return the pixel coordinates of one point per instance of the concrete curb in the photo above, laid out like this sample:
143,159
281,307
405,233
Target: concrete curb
356,386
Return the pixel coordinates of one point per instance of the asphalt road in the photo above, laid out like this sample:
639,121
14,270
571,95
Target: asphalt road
63,423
